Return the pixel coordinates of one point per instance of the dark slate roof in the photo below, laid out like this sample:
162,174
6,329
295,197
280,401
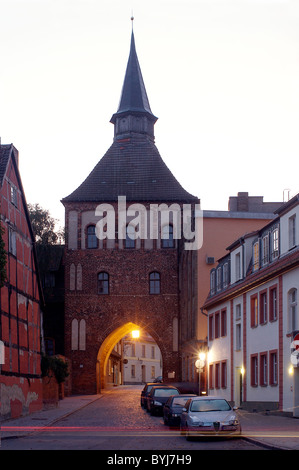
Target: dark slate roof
50,257
131,168
5,151
133,96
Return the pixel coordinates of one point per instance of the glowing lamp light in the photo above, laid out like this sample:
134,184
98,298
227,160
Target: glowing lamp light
135,334
291,370
202,356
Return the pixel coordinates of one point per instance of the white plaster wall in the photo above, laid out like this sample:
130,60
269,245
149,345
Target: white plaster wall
219,350
284,230
260,339
290,280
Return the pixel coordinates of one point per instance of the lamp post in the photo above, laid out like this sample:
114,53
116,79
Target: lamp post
199,364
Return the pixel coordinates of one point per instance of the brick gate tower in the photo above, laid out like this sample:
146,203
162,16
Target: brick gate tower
123,227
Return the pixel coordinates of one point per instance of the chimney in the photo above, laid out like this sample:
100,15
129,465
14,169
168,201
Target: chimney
242,202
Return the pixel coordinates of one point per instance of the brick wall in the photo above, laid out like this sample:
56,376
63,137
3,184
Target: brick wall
128,301
20,315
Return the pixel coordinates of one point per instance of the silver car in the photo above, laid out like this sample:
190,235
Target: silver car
204,416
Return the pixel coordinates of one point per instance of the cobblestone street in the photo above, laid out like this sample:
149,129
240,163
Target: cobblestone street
117,422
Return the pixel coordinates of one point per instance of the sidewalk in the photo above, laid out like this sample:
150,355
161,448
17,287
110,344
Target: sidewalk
269,430
25,425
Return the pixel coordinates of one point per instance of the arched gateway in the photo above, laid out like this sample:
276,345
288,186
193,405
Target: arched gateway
108,345
124,226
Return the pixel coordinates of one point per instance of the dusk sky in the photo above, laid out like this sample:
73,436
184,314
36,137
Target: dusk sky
221,75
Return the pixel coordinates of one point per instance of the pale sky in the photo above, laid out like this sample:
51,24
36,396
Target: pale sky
222,76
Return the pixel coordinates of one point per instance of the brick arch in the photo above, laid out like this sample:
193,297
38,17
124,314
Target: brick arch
108,344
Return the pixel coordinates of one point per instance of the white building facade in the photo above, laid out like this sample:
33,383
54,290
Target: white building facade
253,318
142,360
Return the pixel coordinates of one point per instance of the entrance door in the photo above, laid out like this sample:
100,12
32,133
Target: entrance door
238,387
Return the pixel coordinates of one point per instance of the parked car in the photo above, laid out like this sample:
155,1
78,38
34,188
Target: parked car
158,379
144,393
172,409
158,396
204,416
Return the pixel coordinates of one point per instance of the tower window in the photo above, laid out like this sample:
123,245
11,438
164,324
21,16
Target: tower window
155,283
130,236
92,241
103,283
167,237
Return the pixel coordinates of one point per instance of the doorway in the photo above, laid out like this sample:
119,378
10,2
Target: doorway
238,387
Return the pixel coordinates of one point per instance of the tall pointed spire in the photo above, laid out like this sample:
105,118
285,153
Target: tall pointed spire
134,113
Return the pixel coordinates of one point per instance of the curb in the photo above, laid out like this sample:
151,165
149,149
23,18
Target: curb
263,444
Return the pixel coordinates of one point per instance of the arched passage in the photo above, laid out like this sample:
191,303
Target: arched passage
106,348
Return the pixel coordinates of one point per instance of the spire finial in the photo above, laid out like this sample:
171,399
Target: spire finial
132,19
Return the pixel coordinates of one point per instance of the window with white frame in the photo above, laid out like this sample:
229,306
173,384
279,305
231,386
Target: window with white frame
238,266
223,374
263,307
292,311
14,195
265,259
238,312
292,231
273,372
263,369
225,275
273,303
275,244
254,370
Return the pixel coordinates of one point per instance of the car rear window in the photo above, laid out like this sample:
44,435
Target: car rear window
180,400
165,392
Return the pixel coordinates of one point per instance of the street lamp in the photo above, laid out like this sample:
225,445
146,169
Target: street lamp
135,334
199,364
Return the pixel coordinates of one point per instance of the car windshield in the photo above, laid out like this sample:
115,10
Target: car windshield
210,405
165,392
180,400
